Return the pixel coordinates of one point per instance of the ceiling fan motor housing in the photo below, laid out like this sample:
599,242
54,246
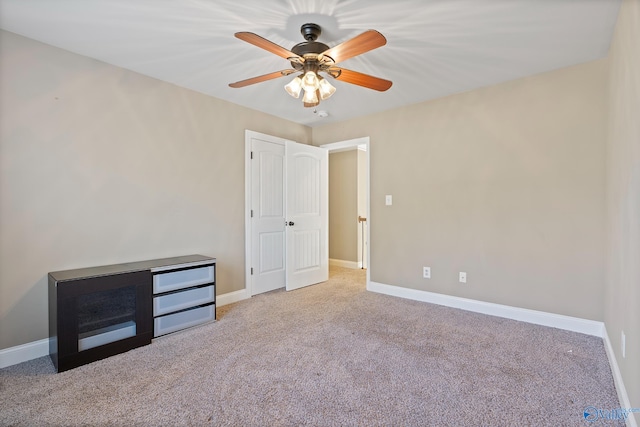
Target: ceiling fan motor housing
309,49
305,48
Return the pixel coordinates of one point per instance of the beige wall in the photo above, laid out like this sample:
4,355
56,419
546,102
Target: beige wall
505,183
622,295
343,206
101,165
347,201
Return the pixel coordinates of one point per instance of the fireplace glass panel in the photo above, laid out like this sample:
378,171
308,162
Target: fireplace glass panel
106,316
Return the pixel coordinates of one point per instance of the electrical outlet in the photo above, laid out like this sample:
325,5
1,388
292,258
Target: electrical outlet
623,344
426,272
463,277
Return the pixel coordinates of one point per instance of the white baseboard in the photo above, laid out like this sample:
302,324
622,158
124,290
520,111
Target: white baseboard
345,264
22,353
231,297
617,378
575,324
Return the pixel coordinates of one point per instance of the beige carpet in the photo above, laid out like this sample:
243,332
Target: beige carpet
327,355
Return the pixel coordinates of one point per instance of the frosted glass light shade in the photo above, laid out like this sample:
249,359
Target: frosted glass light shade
310,82
310,97
294,87
326,89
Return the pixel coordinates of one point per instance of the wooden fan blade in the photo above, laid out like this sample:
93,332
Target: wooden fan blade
267,45
365,42
360,79
263,78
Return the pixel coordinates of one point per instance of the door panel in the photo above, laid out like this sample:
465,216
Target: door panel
271,250
309,255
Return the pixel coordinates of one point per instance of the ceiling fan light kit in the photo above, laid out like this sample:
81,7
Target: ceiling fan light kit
314,87
311,57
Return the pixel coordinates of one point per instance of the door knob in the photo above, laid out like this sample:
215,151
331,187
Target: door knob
291,222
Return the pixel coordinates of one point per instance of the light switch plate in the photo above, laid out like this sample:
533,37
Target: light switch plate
388,200
463,277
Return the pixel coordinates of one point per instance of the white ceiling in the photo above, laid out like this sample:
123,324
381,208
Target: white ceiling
434,47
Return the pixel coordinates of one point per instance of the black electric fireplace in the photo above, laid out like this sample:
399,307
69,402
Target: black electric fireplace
97,312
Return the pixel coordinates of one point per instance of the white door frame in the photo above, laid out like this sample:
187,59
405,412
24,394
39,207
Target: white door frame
350,145
332,148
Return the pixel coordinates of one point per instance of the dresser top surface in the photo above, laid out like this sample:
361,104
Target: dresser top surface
161,264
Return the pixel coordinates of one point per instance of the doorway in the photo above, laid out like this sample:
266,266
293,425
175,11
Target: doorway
359,230
286,214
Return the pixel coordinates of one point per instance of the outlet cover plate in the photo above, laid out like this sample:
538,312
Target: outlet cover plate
462,277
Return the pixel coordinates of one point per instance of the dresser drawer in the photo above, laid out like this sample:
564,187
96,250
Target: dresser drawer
184,319
165,282
184,299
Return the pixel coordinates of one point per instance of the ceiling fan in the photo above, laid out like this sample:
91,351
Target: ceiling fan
311,57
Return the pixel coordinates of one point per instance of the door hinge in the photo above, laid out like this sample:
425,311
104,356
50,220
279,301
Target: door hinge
252,271
251,213
252,155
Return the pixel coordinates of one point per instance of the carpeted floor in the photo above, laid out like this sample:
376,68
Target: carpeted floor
327,355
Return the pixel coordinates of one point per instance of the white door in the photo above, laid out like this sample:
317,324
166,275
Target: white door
307,215
267,216
287,183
